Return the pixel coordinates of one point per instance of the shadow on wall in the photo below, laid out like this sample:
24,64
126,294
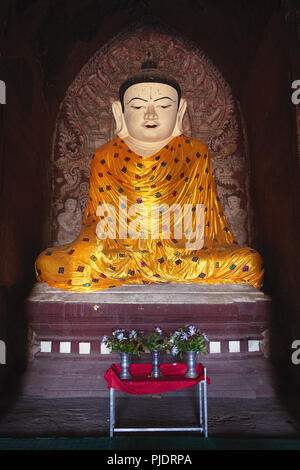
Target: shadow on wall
14,334
287,371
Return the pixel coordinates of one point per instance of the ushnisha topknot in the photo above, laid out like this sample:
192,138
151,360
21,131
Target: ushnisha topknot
148,73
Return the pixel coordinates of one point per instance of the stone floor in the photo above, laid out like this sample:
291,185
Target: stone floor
81,417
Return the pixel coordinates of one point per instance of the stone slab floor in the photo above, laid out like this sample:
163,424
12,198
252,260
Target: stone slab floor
76,417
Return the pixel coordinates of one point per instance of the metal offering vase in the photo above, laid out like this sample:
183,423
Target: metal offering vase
191,364
155,372
125,363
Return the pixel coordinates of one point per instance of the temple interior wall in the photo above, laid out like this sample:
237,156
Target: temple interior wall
44,45
275,175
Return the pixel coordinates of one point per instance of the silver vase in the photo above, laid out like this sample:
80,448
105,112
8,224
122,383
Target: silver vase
155,372
191,364
125,363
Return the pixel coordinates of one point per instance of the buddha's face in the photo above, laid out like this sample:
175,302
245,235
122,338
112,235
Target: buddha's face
150,111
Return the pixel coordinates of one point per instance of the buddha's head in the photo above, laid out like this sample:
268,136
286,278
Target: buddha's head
150,108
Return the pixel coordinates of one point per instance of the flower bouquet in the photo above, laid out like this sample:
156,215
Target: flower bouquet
189,340
125,343
155,341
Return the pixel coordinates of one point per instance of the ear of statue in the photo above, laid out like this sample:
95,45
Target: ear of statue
178,129
121,128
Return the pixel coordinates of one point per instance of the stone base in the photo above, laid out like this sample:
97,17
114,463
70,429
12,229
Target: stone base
68,359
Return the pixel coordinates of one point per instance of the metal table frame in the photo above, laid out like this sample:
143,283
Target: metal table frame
203,428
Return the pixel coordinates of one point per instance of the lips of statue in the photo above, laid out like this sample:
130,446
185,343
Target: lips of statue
150,111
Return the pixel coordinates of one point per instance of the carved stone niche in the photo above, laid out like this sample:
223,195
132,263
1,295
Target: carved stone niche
85,122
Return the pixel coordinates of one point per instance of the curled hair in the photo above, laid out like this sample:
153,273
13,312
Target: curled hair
148,74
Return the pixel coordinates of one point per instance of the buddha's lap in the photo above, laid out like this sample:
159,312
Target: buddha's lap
61,260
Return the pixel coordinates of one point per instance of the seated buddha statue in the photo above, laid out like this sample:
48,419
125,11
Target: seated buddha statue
153,214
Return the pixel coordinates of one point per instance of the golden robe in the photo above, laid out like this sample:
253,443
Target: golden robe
180,173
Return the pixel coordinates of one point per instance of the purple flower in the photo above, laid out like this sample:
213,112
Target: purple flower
174,350
117,331
192,330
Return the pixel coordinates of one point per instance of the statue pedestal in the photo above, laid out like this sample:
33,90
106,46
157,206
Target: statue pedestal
69,361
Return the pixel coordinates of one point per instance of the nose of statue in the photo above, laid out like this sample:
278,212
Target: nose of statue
150,113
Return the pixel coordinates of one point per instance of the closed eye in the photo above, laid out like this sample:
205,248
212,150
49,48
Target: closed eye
136,107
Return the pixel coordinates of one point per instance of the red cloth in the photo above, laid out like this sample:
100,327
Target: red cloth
141,382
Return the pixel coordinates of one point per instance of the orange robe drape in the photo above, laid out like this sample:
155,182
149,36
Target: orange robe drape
180,173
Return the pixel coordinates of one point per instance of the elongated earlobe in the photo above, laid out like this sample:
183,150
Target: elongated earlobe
121,128
178,129
181,113
117,112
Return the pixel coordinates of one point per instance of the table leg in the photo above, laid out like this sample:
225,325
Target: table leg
112,411
205,405
200,403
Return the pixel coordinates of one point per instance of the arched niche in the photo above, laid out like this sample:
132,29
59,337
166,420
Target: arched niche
85,120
